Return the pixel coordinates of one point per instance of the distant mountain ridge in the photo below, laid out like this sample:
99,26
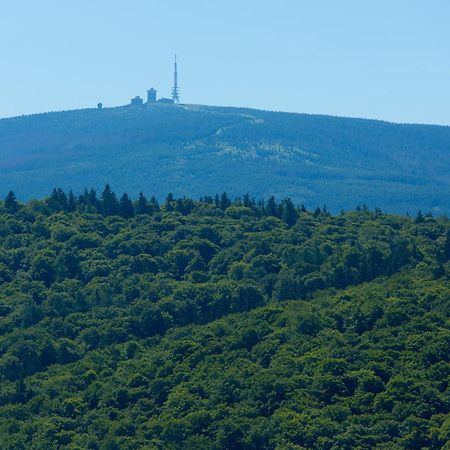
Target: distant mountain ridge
197,150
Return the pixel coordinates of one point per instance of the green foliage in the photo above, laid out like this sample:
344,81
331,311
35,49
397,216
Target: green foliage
221,324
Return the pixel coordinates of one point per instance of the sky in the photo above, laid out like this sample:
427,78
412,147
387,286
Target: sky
381,59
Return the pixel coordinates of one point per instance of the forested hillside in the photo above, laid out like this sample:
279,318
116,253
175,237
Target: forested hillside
191,150
218,324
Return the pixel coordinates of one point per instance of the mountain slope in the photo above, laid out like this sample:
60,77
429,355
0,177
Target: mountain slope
197,150
223,329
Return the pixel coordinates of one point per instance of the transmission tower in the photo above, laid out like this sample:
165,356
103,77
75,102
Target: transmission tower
175,89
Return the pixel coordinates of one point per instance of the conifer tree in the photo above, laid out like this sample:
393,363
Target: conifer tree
11,204
289,212
224,201
168,205
153,205
419,218
92,201
246,201
83,198
179,205
260,207
142,204
184,205
71,202
57,200
126,209
109,202
272,207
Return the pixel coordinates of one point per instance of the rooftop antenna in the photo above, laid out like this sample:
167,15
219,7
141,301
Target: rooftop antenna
175,89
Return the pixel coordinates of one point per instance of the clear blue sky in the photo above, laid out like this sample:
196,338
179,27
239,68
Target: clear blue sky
386,59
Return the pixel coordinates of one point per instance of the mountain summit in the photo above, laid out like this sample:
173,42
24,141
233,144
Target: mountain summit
196,150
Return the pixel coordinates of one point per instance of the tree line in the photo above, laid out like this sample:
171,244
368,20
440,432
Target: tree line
110,204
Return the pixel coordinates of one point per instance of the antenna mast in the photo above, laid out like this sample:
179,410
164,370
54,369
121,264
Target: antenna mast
175,89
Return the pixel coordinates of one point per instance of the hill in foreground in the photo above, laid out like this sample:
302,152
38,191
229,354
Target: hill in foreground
223,328
192,150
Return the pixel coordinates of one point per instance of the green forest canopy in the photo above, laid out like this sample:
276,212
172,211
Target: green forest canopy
219,324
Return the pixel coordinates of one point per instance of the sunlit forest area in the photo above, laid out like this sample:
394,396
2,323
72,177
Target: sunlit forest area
221,323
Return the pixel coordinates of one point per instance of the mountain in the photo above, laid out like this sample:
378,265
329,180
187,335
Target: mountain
196,150
222,327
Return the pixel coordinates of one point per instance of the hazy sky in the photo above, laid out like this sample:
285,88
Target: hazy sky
387,59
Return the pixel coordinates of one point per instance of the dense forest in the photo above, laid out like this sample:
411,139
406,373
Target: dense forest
191,150
221,324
